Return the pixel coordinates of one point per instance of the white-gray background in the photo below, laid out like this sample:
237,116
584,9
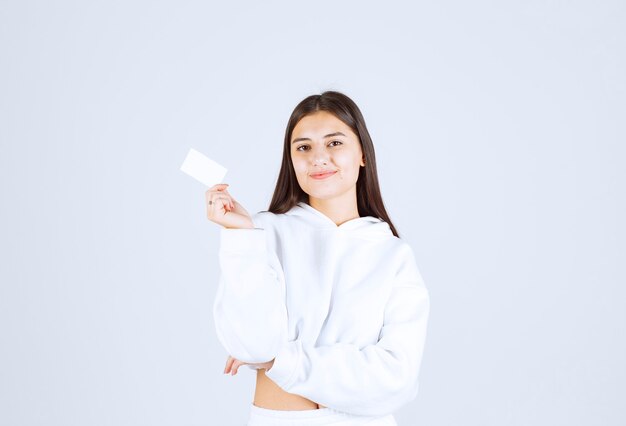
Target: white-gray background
499,135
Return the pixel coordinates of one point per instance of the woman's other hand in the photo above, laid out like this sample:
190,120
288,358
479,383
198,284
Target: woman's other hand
233,364
224,210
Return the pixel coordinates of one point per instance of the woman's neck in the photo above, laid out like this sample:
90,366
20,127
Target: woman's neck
339,211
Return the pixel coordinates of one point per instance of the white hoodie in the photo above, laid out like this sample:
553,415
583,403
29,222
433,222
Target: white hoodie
342,310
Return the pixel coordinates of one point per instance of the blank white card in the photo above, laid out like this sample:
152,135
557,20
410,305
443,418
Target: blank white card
203,169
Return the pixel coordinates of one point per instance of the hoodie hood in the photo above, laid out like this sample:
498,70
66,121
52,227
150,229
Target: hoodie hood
365,225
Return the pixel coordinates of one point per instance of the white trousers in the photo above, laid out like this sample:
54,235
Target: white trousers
322,416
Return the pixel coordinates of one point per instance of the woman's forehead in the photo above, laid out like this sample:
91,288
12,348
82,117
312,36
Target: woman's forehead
320,124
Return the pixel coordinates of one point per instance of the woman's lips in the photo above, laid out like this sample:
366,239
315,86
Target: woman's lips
323,176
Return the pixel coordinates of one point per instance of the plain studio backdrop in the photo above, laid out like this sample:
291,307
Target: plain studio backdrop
499,136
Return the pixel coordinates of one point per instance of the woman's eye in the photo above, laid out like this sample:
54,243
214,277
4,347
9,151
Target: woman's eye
302,146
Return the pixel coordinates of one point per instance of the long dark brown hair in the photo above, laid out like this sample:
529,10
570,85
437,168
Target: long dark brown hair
288,192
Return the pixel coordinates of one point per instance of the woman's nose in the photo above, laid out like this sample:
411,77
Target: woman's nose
320,156
320,160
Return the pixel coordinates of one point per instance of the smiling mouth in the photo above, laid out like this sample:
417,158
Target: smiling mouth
323,175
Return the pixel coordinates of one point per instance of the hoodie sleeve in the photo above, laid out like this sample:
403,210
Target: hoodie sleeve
376,379
249,310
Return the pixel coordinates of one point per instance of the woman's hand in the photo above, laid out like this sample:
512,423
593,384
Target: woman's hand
222,208
233,364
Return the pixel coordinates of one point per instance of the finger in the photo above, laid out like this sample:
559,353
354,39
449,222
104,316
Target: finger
229,364
211,199
229,204
232,200
215,188
233,368
219,200
236,365
218,194
214,191
223,202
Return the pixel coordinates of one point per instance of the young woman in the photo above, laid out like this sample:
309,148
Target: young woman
318,293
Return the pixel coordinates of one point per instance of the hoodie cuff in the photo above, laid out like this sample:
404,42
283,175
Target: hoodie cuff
286,363
253,367
242,239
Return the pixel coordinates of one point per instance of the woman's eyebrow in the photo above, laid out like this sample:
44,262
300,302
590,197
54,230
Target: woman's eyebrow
327,136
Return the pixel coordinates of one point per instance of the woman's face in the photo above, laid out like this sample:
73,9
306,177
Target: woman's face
320,142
